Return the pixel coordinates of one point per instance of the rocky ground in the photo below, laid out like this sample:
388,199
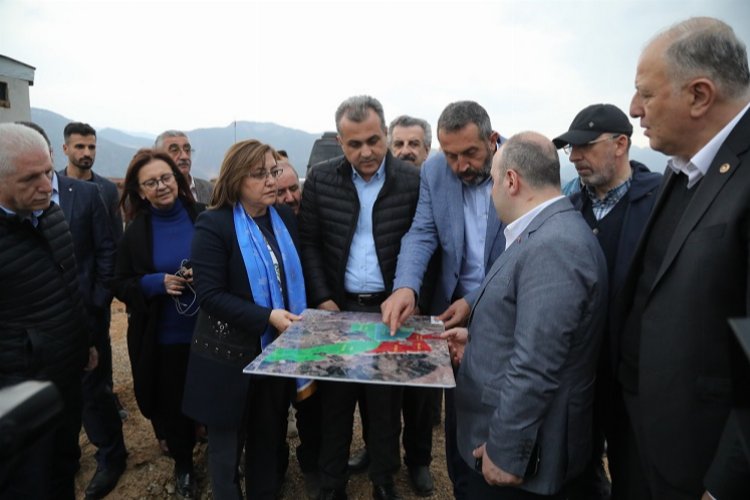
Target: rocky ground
149,473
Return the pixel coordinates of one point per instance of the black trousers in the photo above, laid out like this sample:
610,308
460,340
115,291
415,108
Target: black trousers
47,468
593,484
418,411
178,429
458,470
478,489
101,420
417,407
309,429
636,477
338,400
264,424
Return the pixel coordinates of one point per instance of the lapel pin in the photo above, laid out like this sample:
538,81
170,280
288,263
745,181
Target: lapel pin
724,168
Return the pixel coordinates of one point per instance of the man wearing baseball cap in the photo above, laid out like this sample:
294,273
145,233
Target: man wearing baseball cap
615,198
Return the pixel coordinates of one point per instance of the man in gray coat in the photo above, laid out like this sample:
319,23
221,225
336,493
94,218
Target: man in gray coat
526,377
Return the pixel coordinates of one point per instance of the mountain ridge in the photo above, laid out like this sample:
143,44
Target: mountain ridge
115,148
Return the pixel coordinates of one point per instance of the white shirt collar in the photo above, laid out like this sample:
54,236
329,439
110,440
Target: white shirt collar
514,230
699,164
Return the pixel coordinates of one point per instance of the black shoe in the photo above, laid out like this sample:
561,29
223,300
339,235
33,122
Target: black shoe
184,485
104,480
332,495
385,492
421,480
359,461
312,484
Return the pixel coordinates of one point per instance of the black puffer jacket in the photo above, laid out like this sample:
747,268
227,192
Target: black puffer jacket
328,219
43,330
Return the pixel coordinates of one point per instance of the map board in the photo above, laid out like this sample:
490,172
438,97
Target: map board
358,347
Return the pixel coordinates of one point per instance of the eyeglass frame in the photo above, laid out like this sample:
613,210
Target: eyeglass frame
175,148
568,148
164,179
265,173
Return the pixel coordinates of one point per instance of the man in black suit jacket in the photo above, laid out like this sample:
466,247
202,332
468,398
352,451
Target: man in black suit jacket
681,370
85,211
94,249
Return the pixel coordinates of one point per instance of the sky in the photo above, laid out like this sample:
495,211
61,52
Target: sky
148,66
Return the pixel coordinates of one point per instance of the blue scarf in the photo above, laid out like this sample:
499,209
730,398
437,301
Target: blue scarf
264,283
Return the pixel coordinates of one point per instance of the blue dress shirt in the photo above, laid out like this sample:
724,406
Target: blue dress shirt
363,273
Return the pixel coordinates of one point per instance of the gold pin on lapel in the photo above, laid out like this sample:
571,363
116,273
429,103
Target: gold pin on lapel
724,168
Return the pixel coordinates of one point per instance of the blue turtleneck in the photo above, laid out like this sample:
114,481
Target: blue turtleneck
172,231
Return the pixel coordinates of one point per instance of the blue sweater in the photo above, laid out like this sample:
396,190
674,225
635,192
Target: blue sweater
172,233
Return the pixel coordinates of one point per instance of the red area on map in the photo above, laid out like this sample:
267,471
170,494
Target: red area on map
414,343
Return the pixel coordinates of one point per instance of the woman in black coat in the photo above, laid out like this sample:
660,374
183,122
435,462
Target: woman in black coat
152,277
248,278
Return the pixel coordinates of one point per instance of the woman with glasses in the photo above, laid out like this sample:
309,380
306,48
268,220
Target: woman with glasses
153,277
249,283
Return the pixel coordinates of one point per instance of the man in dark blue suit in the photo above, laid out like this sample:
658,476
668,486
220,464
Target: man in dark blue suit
94,248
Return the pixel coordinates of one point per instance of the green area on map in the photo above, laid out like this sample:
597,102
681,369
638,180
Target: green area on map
377,332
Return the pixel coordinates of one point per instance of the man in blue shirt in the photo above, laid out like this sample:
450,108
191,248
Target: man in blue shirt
354,212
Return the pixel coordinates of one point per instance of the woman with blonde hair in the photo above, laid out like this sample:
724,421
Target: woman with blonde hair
249,283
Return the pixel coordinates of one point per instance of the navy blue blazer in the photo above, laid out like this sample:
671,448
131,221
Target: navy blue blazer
110,198
216,392
93,241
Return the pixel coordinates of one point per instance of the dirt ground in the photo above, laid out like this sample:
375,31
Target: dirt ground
149,474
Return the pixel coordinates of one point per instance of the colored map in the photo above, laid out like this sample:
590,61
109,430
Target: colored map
358,347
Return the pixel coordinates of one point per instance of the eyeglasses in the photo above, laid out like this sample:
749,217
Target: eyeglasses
152,184
263,173
568,148
175,148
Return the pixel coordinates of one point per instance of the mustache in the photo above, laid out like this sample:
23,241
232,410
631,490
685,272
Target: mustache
408,157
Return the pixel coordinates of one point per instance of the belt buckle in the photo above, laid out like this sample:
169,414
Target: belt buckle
362,298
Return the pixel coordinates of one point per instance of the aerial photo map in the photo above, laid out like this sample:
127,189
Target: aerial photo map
358,347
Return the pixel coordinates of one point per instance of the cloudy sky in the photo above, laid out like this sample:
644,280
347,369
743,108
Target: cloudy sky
146,66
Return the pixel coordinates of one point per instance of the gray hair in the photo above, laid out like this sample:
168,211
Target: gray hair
15,141
457,115
355,109
534,157
707,47
159,142
410,121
